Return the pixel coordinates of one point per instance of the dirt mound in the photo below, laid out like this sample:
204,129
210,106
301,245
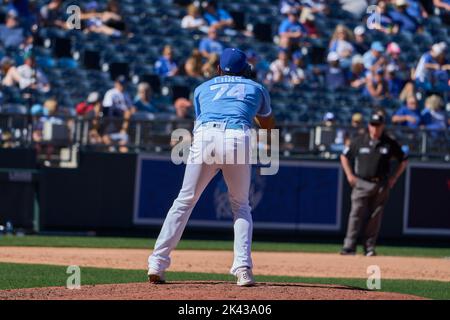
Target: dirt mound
295,264
203,290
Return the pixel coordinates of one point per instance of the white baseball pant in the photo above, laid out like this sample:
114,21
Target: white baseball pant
197,176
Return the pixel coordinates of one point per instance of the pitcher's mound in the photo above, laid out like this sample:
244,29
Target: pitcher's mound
203,290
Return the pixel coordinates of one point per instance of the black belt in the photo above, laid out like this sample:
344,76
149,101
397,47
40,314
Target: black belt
373,180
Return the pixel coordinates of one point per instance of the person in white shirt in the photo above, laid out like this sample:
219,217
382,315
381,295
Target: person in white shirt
116,100
27,76
194,20
283,70
117,105
341,43
431,61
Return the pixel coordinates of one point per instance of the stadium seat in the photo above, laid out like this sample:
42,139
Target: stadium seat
263,32
119,68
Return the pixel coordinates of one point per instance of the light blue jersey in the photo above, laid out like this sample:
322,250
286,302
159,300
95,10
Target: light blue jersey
235,100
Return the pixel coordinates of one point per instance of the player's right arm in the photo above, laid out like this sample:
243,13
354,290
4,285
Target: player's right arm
267,122
347,154
264,118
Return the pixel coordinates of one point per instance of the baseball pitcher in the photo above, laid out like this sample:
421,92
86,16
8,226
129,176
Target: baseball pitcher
225,107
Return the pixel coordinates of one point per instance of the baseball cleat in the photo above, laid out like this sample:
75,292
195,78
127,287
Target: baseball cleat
370,253
156,277
348,252
245,277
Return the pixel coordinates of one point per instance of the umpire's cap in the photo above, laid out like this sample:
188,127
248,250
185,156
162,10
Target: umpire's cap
376,119
233,60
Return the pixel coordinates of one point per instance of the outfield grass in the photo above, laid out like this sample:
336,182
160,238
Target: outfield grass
140,243
12,277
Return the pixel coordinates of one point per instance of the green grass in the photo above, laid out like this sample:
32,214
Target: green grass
136,243
12,277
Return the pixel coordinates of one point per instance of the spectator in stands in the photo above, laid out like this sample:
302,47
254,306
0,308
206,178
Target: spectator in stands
283,70
357,120
299,62
29,13
116,100
335,76
96,21
431,67
112,17
143,100
316,6
194,20
376,86
374,59
96,126
260,67
209,69
183,107
416,10
381,15
356,128
52,14
28,44
166,66
193,65
394,83
50,114
341,44
355,7
408,114
329,119
5,64
360,44
357,72
307,19
220,19
28,76
89,104
403,21
443,7
51,108
393,57
19,6
11,34
287,6
442,4
336,141
118,106
210,45
291,30
433,117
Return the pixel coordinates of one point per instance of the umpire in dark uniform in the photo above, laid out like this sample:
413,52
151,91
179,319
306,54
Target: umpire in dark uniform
366,163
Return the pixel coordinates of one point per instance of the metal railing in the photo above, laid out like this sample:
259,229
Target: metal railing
58,139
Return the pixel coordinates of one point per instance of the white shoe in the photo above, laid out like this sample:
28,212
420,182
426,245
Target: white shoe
156,277
245,277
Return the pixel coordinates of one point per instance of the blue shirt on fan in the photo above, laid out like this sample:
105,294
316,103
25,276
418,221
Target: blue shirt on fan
231,99
220,15
288,26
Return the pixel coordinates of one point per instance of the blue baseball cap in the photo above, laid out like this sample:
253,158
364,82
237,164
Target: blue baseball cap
250,53
93,5
233,60
377,46
121,79
329,116
297,54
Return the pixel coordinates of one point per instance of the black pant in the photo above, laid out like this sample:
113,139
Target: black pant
368,201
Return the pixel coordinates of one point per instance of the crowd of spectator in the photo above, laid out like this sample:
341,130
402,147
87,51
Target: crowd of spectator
352,59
